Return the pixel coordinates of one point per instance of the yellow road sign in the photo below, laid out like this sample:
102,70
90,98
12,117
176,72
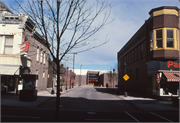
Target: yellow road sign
125,77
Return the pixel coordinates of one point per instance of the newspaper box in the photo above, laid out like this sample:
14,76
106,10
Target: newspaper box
28,93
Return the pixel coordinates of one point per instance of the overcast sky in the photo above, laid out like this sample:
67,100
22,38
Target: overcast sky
129,16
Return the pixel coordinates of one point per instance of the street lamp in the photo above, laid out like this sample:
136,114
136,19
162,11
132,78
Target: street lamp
67,78
70,80
113,78
80,75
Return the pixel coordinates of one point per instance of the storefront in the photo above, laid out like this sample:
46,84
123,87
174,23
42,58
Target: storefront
165,77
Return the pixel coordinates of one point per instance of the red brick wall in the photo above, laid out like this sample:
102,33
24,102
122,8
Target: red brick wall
37,65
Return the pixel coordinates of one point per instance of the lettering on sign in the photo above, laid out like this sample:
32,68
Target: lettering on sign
24,47
173,64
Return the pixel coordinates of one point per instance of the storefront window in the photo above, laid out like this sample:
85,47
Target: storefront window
151,41
159,43
169,38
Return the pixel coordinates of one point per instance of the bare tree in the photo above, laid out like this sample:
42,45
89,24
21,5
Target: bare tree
112,78
67,26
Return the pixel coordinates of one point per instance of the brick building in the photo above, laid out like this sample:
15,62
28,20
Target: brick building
22,51
93,78
81,79
109,78
151,56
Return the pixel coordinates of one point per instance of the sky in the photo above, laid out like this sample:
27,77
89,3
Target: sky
128,16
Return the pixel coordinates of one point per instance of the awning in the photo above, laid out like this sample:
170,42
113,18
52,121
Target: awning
9,70
172,76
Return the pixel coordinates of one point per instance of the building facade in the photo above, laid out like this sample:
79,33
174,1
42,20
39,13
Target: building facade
22,51
151,57
92,78
110,79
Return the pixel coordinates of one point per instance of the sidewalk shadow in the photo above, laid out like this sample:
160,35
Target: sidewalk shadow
120,93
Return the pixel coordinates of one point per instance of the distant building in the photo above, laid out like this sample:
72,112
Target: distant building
110,79
81,79
93,78
151,57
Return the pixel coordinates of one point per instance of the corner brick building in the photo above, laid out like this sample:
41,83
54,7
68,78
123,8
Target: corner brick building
151,57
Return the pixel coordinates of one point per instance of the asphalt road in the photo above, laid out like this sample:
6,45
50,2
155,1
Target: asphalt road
86,104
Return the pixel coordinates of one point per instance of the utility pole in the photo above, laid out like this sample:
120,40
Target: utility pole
67,78
125,93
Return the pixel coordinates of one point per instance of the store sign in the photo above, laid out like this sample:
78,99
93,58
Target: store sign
173,64
24,47
163,65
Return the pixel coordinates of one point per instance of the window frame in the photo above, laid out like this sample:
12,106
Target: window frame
159,38
169,38
37,56
164,39
9,46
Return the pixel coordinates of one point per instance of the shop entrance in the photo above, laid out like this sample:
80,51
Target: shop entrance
8,82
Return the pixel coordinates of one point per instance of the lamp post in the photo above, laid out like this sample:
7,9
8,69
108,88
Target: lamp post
113,78
70,80
67,78
80,75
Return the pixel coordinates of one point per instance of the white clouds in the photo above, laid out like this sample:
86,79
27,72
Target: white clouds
129,17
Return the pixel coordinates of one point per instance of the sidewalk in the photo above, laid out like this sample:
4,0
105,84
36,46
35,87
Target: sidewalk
140,102
12,100
150,104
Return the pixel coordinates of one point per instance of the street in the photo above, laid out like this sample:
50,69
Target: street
87,104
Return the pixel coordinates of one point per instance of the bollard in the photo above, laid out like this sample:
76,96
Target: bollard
125,94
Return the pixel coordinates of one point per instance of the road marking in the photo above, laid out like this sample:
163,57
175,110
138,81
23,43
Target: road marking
132,117
91,112
161,117
110,120
20,116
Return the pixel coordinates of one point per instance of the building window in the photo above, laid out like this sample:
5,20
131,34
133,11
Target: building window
151,41
37,54
41,56
159,41
44,58
8,45
170,39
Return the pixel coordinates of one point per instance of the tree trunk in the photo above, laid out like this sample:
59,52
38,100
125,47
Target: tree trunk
57,93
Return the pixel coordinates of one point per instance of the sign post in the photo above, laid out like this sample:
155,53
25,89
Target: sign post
125,77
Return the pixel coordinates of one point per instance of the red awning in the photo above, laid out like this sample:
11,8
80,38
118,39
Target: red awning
172,76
